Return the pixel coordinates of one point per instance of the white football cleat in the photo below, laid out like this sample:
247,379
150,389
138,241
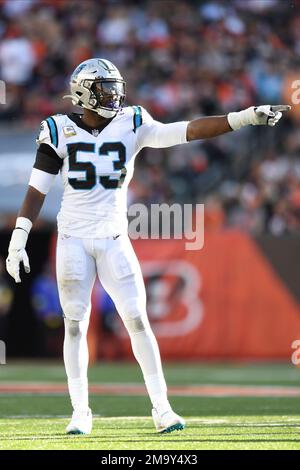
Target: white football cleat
81,422
167,421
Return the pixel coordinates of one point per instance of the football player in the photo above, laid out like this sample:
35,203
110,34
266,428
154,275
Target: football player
95,152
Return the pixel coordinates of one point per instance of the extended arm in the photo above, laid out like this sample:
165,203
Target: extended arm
155,134
204,128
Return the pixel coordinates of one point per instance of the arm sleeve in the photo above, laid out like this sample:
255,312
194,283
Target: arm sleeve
41,180
48,157
155,134
47,162
46,166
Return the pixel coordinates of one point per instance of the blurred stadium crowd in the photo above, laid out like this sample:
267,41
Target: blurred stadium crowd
181,59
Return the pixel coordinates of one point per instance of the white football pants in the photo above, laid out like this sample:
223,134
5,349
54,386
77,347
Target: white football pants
78,262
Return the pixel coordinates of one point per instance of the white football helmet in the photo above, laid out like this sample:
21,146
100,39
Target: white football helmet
96,84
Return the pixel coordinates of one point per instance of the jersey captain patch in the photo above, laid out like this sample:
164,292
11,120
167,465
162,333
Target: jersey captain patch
69,131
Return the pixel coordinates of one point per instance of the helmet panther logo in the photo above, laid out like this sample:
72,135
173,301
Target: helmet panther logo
78,70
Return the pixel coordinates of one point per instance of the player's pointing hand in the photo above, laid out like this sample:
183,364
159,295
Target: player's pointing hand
270,115
257,116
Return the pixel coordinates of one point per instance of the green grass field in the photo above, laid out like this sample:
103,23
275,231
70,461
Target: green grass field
123,422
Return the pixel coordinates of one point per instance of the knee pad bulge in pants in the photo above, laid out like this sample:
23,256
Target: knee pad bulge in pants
75,310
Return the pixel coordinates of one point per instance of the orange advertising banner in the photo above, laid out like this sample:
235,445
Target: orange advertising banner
222,302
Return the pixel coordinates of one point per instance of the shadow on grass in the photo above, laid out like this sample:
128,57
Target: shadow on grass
121,406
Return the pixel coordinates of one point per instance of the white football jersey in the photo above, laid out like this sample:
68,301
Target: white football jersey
96,166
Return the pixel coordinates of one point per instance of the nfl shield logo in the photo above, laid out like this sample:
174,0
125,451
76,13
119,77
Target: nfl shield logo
95,132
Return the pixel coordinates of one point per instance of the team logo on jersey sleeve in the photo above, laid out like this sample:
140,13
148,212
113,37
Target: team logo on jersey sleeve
42,128
69,131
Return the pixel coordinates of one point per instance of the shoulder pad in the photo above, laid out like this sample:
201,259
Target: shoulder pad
48,132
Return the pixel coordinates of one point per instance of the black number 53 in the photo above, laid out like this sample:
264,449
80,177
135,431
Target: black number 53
90,170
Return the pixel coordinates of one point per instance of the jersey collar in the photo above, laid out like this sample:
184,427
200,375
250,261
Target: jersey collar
76,118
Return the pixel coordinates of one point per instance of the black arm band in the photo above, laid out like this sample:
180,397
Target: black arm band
47,160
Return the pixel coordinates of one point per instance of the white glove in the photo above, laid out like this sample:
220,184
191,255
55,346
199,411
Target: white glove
16,249
257,115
